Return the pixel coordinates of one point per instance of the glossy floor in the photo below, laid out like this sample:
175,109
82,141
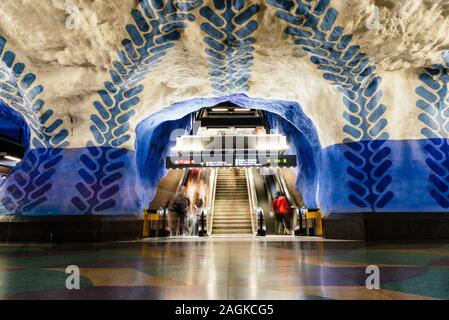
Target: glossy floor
223,268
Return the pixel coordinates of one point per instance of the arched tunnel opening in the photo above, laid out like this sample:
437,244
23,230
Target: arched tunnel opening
14,139
236,150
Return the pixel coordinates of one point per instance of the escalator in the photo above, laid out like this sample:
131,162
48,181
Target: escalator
233,198
235,161
167,189
241,195
290,178
267,183
196,184
263,199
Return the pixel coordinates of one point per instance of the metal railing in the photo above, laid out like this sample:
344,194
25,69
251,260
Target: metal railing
211,200
202,224
298,222
261,226
252,198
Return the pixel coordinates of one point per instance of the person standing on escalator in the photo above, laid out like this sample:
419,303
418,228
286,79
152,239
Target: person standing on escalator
281,209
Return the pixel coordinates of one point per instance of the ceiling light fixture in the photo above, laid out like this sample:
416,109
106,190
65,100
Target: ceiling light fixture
220,110
14,159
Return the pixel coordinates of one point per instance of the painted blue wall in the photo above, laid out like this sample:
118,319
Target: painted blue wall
44,185
409,180
433,103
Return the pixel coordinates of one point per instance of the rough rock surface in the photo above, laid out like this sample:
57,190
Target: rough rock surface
73,64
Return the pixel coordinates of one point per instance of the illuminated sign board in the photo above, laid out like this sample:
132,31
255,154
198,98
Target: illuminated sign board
229,160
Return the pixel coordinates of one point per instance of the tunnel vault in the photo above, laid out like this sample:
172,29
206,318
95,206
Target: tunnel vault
102,164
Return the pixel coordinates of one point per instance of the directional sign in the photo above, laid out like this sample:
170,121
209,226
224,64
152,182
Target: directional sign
229,160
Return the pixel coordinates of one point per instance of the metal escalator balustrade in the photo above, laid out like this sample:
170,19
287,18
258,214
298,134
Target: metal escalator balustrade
232,212
273,181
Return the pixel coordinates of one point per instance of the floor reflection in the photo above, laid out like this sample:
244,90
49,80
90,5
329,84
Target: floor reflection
220,268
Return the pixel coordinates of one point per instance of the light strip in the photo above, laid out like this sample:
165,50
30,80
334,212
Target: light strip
14,159
220,110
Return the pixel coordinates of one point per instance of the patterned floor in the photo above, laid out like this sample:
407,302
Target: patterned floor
220,268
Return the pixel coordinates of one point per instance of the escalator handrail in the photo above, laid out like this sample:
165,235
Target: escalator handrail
261,224
269,195
213,189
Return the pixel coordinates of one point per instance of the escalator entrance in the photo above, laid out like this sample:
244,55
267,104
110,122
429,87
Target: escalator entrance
228,172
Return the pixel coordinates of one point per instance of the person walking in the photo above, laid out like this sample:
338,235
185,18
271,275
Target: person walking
281,209
180,206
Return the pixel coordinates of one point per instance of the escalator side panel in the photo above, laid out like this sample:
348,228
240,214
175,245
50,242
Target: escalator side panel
290,179
264,201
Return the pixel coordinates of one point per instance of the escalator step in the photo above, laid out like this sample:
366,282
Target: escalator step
232,214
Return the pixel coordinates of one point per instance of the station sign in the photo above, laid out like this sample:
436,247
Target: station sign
229,160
